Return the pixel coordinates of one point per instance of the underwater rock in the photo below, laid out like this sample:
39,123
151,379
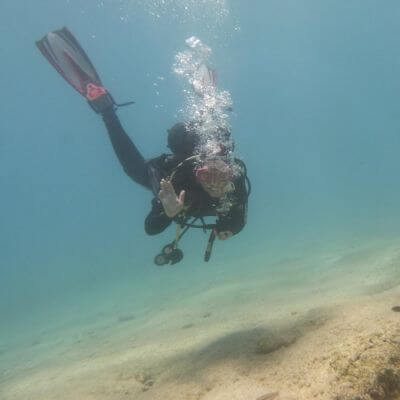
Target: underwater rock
265,345
386,386
368,370
284,334
271,342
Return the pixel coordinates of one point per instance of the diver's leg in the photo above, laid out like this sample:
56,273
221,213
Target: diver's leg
128,155
69,59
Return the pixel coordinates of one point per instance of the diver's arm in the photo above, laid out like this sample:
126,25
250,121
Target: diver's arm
236,218
171,203
234,221
157,221
128,155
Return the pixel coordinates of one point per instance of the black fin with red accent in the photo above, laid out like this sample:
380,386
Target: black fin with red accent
66,55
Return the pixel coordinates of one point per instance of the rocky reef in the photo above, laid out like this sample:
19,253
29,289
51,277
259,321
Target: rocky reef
368,369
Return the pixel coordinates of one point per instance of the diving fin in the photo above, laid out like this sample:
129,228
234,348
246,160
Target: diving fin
204,80
66,55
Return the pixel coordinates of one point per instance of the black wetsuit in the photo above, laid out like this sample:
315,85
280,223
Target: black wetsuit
198,203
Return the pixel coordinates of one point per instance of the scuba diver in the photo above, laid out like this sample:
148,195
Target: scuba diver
187,185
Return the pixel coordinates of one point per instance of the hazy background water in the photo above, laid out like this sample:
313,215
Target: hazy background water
316,116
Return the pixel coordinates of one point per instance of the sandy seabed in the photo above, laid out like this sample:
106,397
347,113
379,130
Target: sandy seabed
332,333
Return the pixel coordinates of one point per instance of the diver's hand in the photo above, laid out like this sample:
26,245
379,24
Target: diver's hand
224,235
172,204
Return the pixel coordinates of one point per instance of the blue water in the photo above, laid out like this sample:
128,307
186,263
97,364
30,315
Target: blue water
316,118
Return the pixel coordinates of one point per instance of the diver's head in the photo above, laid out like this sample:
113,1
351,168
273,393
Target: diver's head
215,177
181,139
